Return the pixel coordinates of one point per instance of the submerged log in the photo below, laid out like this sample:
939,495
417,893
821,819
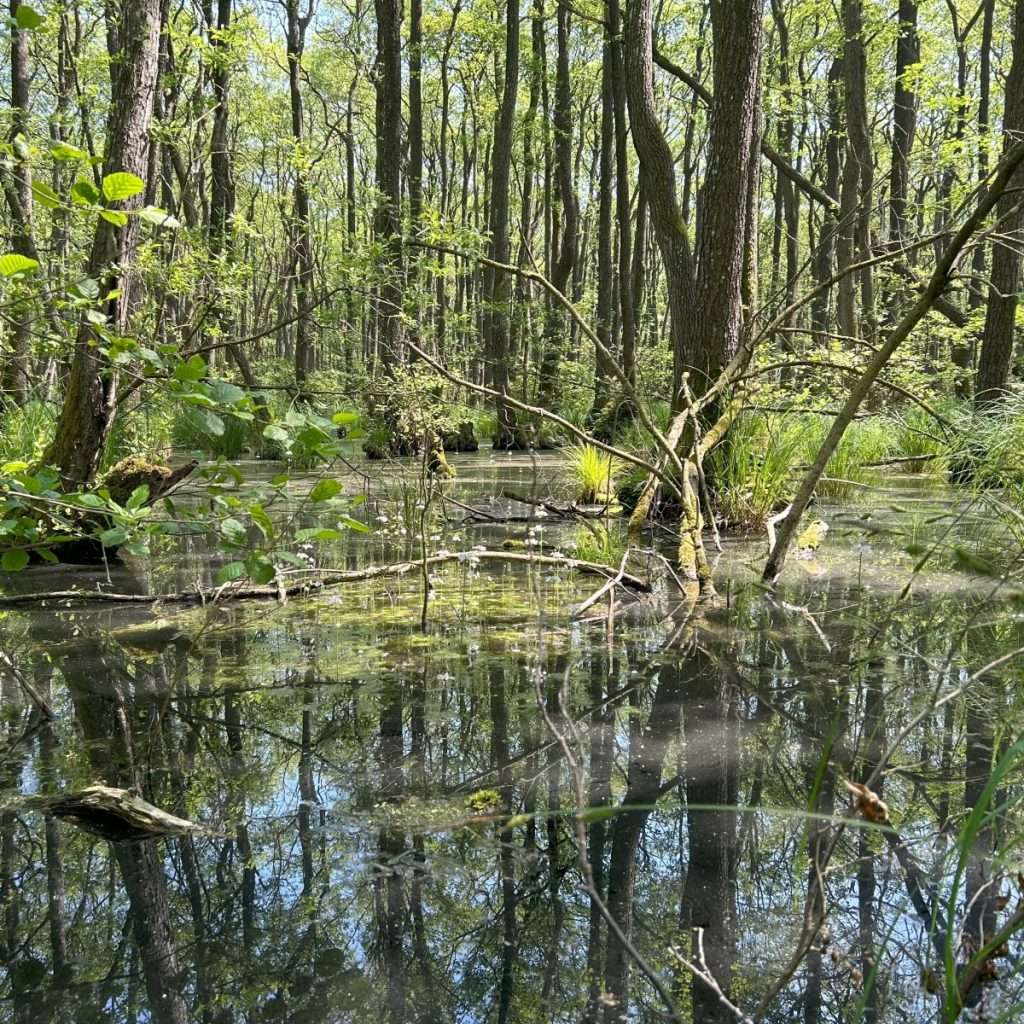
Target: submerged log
117,815
320,579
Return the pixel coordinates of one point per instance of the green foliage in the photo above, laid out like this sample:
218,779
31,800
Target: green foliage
917,437
866,441
753,468
592,473
987,448
603,542
26,431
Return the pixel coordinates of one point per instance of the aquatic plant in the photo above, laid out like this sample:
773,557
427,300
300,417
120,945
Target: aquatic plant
27,428
751,471
865,442
592,473
987,449
917,438
603,543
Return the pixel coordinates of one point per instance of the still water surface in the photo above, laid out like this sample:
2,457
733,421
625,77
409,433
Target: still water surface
357,777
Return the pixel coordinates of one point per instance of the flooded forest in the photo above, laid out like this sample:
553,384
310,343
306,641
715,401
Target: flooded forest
511,511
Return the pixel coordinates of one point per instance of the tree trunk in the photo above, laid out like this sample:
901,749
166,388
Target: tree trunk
19,199
302,236
387,219
91,397
497,286
998,337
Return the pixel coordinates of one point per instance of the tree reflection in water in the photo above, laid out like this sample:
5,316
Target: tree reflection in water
347,878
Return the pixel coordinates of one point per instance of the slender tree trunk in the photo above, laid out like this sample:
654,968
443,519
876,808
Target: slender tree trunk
91,396
16,380
300,228
565,259
387,219
497,286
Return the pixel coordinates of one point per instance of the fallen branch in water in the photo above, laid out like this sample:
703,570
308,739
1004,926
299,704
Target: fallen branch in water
321,579
114,814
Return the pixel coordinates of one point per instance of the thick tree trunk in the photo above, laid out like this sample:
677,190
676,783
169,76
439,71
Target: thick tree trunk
997,341
904,121
91,396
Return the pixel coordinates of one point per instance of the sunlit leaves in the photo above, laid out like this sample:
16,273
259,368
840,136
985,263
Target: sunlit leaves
28,18
85,193
12,263
121,185
325,490
161,218
45,196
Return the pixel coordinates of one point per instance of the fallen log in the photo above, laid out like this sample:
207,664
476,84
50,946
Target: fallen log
321,579
117,815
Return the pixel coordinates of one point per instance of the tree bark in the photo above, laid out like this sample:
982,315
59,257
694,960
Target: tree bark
997,340
387,219
496,284
90,400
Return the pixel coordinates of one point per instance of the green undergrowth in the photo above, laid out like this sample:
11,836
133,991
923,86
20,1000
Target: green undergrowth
592,473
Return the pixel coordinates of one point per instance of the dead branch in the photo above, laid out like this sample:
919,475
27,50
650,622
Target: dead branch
322,579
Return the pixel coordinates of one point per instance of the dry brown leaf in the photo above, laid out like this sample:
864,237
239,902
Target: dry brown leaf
870,805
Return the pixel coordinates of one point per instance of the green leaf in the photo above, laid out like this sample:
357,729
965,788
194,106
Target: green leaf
90,501
354,524
45,196
213,423
28,18
87,288
325,490
121,185
324,534
12,263
115,217
970,562
62,151
262,520
191,371
233,530
231,572
275,433
260,569
114,537
85,193
161,218
14,560
343,419
139,497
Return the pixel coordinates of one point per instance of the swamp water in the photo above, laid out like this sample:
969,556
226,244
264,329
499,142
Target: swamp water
391,813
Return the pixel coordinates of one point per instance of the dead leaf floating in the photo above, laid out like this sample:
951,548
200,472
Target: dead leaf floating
869,805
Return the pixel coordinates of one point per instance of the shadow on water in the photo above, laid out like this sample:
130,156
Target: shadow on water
392,814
